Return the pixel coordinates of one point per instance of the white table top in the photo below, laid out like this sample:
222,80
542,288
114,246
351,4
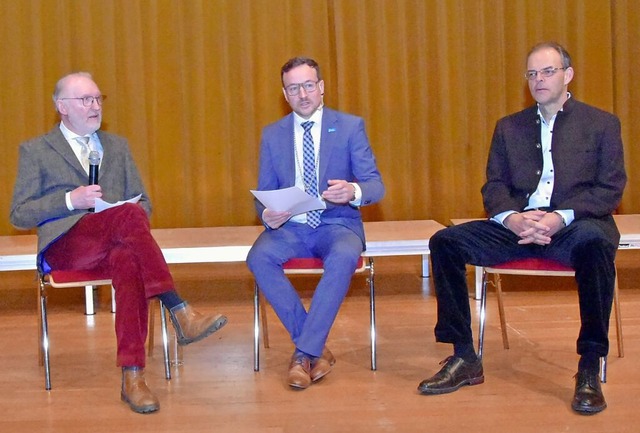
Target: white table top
629,226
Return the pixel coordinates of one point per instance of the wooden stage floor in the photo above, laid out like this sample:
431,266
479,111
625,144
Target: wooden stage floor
527,388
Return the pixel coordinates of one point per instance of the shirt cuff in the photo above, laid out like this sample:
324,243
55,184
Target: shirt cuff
567,215
503,216
67,199
357,195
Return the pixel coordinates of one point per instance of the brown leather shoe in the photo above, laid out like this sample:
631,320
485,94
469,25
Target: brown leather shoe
455,373
322,366
136,393
299,371
192,326
588,398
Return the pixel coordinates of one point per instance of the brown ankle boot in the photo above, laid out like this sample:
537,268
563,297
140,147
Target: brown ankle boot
192,326
136,393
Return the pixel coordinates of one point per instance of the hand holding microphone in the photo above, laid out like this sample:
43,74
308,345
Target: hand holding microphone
94,165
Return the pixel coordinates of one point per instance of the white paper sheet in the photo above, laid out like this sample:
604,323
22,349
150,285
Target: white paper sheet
291,199
103,205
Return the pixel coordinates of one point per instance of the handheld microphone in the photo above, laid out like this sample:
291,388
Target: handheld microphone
94,164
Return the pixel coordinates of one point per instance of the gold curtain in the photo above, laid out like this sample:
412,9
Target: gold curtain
191,83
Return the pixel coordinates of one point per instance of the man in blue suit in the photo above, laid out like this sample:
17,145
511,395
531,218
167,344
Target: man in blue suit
327,154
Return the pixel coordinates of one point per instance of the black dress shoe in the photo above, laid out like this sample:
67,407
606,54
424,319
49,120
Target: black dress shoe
455,373
588,398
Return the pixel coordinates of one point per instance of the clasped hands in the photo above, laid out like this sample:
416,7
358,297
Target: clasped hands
338,192
534,226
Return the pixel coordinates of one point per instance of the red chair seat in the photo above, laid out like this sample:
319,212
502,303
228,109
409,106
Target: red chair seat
534,264
311,264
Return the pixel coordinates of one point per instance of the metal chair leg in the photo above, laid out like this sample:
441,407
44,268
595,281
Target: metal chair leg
165,341
483,311
45,336
372,308
256,328
603,369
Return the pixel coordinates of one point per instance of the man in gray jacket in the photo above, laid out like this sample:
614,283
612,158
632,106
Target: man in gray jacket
51,193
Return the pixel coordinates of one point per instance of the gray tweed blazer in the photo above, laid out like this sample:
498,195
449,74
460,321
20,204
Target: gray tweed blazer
48,168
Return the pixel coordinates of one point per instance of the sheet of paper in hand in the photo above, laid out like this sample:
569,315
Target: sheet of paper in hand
103,205
291,199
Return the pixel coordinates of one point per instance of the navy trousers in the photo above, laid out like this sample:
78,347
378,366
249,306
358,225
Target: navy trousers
585,245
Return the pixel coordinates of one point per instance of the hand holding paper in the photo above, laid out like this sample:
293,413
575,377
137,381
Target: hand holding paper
103,205
291,199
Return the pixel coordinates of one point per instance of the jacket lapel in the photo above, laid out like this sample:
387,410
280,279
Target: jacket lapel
327,144
287,161
58,143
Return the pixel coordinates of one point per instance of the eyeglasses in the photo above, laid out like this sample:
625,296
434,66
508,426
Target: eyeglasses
308,86
87,101
546,72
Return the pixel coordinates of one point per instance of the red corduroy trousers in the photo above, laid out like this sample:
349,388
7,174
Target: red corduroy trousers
119,241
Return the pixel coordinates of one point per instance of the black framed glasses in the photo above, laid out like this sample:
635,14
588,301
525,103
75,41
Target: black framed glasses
87,101
546,72
308,86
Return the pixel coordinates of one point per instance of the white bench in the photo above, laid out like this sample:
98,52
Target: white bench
232,244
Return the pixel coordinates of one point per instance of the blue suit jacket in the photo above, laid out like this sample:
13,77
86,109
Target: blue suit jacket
344,154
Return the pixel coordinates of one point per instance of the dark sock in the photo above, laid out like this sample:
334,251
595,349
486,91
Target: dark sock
465,351
589,362
132,367
170,299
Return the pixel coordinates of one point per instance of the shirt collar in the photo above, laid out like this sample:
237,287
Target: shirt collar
561,109
70,135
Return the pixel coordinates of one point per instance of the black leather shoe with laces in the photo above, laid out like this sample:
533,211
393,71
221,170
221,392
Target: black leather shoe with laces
588,398
455,373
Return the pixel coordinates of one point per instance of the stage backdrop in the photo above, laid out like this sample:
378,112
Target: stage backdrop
191,83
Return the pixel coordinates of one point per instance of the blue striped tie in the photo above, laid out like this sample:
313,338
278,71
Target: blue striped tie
310,180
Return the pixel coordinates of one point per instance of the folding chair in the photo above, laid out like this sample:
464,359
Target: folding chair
536,267
309,266
89,280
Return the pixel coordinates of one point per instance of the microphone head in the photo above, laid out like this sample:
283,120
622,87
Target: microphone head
94,157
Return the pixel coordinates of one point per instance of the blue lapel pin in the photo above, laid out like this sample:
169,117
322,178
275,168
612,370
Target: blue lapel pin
331,130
